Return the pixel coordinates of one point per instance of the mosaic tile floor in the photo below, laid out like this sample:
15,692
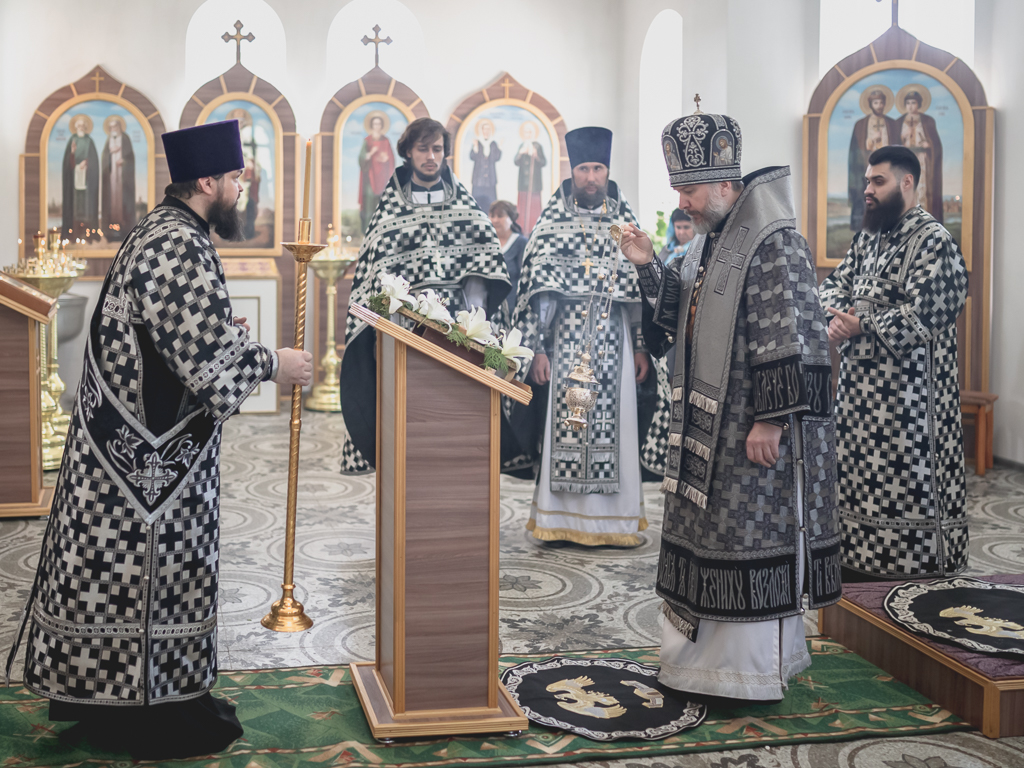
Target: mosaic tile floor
551,599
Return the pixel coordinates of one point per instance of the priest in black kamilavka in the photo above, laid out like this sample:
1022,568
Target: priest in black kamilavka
428,229
750,529
122,618
589,481
894,302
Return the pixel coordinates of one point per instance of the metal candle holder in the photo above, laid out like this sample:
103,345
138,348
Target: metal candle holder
51,270
329,265
287,614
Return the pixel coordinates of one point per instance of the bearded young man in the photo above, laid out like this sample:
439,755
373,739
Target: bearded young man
750,527
123,612
894,302
428,229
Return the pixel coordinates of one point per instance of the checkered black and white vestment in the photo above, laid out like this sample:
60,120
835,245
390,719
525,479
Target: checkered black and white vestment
736,533
432,245
124,606
902,490
553,264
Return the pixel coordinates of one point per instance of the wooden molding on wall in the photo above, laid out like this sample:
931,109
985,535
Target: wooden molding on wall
96,85
239,84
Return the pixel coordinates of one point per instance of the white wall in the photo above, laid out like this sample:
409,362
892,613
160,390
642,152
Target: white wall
768,82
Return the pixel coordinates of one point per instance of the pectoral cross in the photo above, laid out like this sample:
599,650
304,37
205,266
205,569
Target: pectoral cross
238,37
587,264
376,40
96,78
507,84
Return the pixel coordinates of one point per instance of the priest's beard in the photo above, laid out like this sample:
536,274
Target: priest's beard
586,199
883,214
714,213
225,219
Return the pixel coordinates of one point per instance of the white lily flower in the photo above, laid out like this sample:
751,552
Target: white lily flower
396,288
511,348
432,307
475,326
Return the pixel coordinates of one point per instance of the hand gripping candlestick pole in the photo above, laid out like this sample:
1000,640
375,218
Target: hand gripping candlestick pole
287,614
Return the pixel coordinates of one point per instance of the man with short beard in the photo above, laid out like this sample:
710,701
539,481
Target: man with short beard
894,302
123,631
750,527
428,229
589,481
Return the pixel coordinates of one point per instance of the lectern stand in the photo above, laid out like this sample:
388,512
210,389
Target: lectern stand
22,309
438,438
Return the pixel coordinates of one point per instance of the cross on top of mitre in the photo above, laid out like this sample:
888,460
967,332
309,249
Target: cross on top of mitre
895,12
238,37
376,40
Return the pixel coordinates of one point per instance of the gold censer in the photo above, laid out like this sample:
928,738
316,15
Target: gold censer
580,399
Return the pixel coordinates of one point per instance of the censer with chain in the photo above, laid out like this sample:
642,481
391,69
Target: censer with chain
579,397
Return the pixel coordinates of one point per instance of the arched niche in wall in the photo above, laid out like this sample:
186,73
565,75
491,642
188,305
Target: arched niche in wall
270,180
862,102
509,144
356,154
93,165
270,146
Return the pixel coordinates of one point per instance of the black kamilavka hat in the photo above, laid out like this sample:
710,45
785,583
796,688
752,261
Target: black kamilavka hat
203,150
589,145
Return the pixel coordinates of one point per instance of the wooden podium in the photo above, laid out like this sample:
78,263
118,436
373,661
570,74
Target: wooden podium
22,309
438,439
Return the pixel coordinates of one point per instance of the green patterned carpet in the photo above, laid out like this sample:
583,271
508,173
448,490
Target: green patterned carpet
310,716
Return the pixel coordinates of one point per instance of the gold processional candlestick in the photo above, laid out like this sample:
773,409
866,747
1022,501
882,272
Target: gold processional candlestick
329,265
287,614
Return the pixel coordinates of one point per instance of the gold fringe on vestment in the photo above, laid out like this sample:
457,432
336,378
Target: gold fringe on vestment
588,539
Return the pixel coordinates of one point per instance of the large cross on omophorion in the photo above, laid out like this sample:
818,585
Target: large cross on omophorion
732,257
238,37
376,40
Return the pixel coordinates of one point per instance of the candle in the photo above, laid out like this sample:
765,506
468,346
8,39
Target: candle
305,194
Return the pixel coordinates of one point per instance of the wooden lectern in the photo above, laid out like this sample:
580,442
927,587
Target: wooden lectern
22,309
438,439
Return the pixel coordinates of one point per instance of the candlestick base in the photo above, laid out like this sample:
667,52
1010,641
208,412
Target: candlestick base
287,614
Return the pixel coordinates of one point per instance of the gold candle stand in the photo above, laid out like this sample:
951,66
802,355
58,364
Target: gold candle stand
52,271
287,614
329,265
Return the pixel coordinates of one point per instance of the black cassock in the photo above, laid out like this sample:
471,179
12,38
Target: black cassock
122,620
